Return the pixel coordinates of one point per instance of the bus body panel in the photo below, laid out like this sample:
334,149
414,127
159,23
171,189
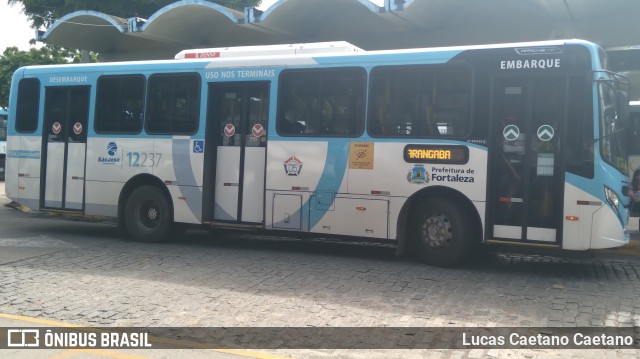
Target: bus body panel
353,216
605,232
28,171
391,175
12,164
575,230
102,197
175,162
301,168
117,159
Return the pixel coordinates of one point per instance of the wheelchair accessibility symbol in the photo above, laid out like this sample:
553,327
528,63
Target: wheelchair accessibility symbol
198,146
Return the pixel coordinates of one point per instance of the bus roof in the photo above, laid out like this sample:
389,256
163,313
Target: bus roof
264,50
272,55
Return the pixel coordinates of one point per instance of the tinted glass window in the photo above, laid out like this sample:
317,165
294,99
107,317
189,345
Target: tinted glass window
579,134
119,104
174,104
612,136
420,102
28,105
3,127
321,102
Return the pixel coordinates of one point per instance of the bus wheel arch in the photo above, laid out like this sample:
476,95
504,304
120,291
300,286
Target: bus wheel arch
452,212
145,209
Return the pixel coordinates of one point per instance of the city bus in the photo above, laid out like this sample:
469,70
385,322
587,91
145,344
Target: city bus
432,150
3,141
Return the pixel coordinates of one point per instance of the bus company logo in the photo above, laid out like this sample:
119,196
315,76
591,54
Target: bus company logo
292,166
112,150
545,50
418,175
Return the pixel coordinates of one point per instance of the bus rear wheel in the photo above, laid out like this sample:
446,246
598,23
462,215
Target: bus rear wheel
147,215
441,232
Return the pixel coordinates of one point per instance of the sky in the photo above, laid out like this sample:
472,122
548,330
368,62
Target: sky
14,27
15,30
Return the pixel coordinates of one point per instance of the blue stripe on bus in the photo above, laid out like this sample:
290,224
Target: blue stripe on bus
333,174
183,171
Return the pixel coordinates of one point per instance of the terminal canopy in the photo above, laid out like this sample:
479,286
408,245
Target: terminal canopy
396,24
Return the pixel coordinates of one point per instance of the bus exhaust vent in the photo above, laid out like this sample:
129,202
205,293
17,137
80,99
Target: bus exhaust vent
267,50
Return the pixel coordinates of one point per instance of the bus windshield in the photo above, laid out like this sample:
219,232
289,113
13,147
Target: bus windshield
613,144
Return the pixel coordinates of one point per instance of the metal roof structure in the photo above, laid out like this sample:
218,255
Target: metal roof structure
397,24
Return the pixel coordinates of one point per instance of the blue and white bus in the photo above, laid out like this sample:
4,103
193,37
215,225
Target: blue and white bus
435,150
3,141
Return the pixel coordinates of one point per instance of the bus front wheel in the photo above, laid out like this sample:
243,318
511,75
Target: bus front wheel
147,215
441,232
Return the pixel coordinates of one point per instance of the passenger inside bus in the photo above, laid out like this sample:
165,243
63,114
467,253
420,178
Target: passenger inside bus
289,126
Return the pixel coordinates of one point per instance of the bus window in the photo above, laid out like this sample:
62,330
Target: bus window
612,143
634,131
174,104
3,128
119,104
419,102
321,102
28,105
579,136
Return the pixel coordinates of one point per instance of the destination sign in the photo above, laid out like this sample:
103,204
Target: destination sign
451,154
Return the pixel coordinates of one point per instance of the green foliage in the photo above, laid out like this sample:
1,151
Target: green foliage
12,59
45,12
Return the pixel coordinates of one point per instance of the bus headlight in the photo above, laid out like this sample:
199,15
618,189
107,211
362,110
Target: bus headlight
612,197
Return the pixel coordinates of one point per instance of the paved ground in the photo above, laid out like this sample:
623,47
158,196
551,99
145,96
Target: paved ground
85,274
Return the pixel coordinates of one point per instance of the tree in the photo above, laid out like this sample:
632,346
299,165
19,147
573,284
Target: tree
45,12
12,59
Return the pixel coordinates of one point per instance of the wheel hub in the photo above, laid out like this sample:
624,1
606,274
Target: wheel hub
152,213
149,214
436,231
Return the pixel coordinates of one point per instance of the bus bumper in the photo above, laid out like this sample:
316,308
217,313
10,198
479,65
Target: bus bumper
606,230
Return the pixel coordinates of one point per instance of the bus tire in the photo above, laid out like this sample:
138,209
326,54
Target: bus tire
147,215
441,232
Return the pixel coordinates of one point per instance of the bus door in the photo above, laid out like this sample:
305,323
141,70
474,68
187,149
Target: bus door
525,194
64,147
237,124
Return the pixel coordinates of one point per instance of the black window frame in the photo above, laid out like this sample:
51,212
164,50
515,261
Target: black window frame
359,124
434,69
579,145
143,99
22,108
150,104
